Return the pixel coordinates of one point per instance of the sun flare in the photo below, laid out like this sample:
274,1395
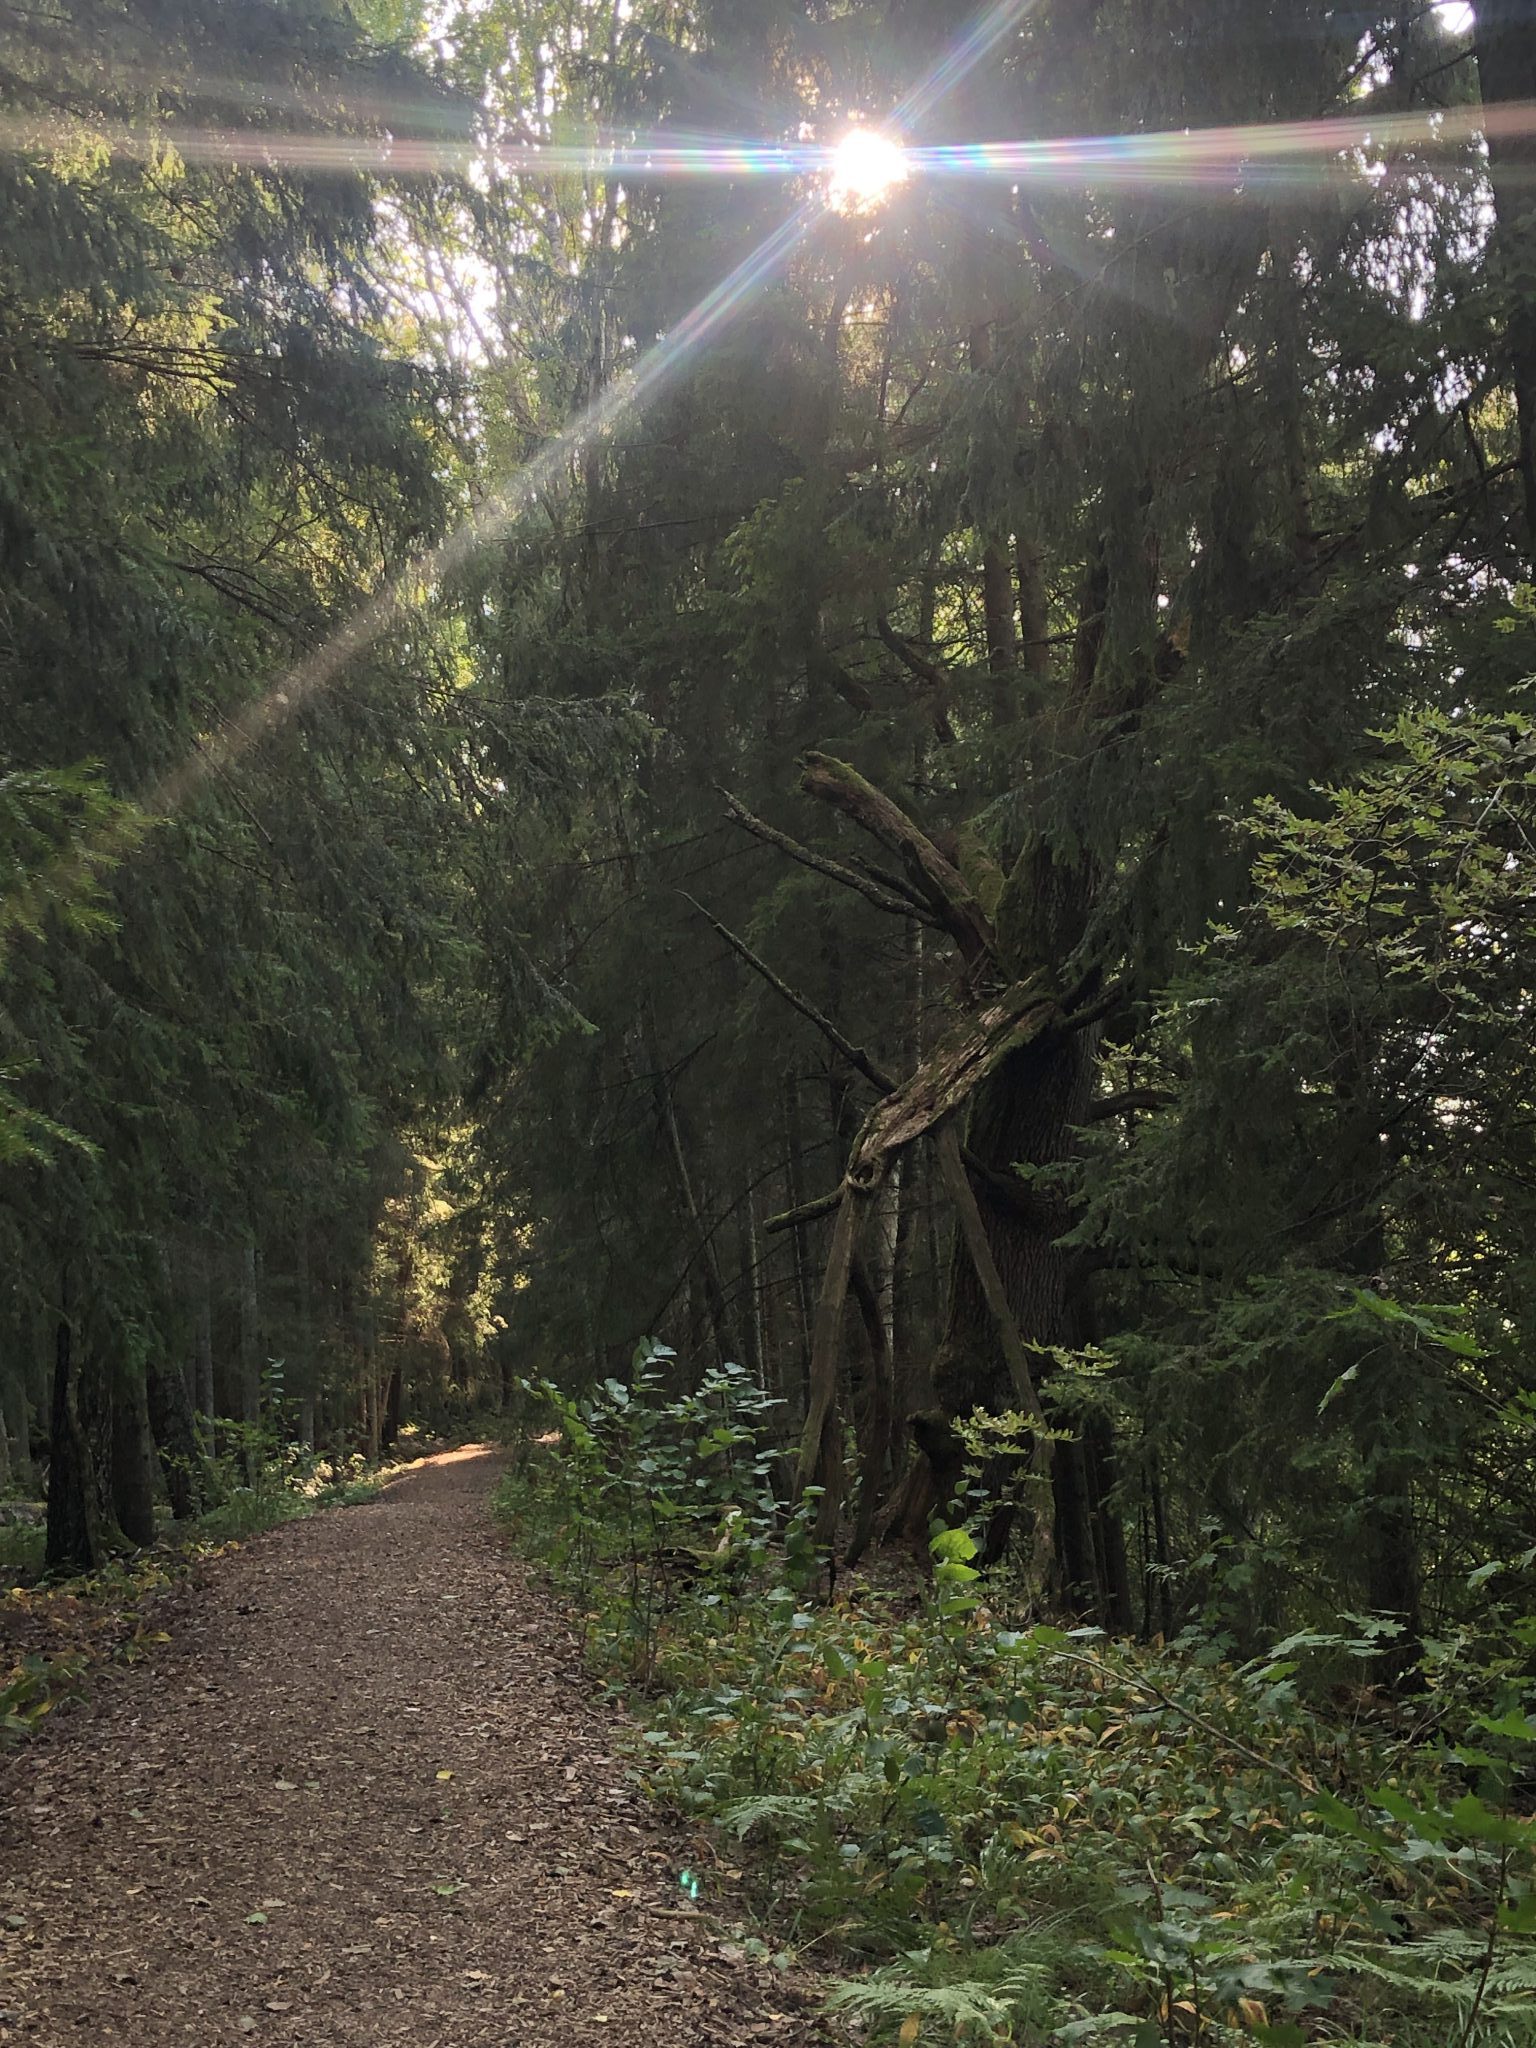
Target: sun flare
866,166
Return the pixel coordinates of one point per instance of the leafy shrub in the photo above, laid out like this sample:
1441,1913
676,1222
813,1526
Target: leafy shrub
1031,1835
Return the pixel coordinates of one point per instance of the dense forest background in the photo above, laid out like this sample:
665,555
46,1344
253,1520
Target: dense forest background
965,845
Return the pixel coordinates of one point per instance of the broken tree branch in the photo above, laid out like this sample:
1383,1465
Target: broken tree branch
1130,1098
824,668
956,1066
821,864
974,1233
978,1246
820,1460
938,881
855,1055
933,678
808,1212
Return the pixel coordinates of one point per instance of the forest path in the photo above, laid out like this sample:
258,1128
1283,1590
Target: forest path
249,1838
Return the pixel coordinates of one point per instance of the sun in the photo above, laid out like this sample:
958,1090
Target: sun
866,165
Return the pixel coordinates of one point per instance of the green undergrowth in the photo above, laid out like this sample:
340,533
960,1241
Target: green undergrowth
1026,1834
54,1631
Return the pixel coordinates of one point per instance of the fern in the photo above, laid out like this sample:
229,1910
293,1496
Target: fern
1448,1966
966,2007
795,1809
784,1809
1514,1973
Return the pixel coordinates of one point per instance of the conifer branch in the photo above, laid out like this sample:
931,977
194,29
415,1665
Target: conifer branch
1130,1098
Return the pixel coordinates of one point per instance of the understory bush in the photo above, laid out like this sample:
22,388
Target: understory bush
1034,1834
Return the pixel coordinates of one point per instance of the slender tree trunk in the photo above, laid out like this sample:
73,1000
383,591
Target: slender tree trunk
1034,609
389,1427
20,1399
879,1432
794,1169
821,1451
706,1262
250,1361
752,1291
913,1392
996,578
1506,54
370,1383
308,1361
1163,1553
202,1346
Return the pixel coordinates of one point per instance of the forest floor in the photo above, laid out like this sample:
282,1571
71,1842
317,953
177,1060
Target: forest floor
363,1796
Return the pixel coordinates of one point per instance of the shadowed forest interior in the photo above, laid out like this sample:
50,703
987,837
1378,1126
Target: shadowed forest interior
904,774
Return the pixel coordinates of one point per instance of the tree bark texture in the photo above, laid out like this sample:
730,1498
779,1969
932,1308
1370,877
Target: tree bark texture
174,1426
80,1536
250,1360
133,1454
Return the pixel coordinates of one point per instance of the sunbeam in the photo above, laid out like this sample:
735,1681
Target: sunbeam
405,592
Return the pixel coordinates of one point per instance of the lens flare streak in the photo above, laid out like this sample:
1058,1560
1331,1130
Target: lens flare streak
1233,158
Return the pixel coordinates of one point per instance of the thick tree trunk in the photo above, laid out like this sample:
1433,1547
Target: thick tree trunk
1026,1114
175,1433
133,1455
79,1535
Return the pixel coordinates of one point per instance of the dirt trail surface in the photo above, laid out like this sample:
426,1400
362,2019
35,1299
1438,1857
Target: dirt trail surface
254,1838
